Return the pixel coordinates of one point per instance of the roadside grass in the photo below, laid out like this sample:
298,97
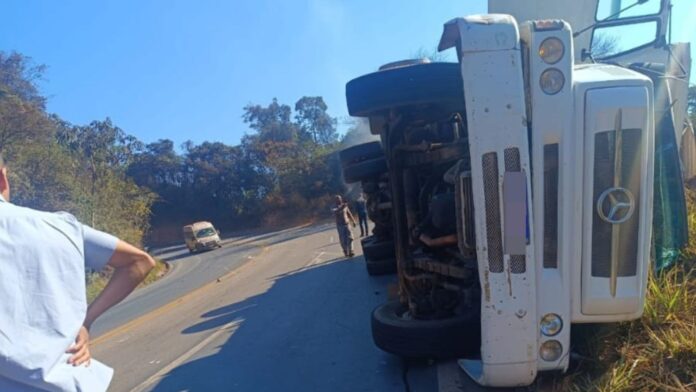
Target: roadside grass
98,280
654,353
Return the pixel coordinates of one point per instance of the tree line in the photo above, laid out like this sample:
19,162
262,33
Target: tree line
285,167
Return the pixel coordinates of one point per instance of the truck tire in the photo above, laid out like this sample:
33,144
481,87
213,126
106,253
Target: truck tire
456,337
365,170
377,250
380,267
405,86
360,152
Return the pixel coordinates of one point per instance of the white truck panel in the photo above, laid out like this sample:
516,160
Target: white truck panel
491,64
552,129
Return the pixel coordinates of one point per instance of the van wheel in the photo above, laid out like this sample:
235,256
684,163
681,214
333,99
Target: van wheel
395,333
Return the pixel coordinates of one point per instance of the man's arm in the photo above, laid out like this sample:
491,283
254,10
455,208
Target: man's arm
350,215
131,266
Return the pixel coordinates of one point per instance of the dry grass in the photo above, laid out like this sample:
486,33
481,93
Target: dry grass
654,353
97,281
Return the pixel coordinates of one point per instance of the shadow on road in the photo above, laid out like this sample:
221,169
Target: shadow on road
310,331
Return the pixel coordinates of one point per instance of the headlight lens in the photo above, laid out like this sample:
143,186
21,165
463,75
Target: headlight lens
552,81
551,50
551,350
551,324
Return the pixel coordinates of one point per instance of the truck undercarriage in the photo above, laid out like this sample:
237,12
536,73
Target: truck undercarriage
425,135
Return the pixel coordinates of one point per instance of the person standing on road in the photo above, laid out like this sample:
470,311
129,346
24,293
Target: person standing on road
343,218
361,208
44,317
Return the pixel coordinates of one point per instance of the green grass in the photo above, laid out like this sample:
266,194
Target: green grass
97,281
654,353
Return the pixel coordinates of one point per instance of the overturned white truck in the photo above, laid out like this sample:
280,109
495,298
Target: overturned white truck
524,180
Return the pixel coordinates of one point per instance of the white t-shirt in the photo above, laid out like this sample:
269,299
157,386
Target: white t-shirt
43,257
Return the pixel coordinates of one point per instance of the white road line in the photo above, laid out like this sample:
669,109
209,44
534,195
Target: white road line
315,260
229,327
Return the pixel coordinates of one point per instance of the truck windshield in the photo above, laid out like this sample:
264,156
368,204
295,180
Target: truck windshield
207,232
621,38
617,9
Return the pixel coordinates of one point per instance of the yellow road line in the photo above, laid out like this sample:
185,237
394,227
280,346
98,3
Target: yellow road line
166,307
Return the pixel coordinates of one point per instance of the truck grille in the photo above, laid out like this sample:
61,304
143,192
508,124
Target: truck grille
512,160
550,257
492,200
512,164
604,181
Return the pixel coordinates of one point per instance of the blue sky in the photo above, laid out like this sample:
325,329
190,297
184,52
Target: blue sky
185,69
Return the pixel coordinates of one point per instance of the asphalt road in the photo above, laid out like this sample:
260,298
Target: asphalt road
274,312
189,272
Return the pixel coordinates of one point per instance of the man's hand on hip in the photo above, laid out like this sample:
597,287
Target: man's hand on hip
80,349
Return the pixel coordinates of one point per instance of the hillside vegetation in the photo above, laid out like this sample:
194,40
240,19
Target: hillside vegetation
284,167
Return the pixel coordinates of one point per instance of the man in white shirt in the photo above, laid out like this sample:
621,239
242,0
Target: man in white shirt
44,317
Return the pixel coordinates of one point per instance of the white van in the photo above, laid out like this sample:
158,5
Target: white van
201,236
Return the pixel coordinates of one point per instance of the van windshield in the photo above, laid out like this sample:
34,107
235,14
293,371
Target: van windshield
207,232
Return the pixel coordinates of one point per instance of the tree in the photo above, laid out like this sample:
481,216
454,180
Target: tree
691,106
43,177
271,123
107,199
604,45
223,180
158,167
21,122
286,166
292,158
101,143
22,115
312,118
19,76
430,54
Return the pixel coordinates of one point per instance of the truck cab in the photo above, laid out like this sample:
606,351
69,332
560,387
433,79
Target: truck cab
523,182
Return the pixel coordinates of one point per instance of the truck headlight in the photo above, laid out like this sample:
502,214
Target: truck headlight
552,81
551,324
551,350
551,50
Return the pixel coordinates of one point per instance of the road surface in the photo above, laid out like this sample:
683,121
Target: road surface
189,272
283,311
